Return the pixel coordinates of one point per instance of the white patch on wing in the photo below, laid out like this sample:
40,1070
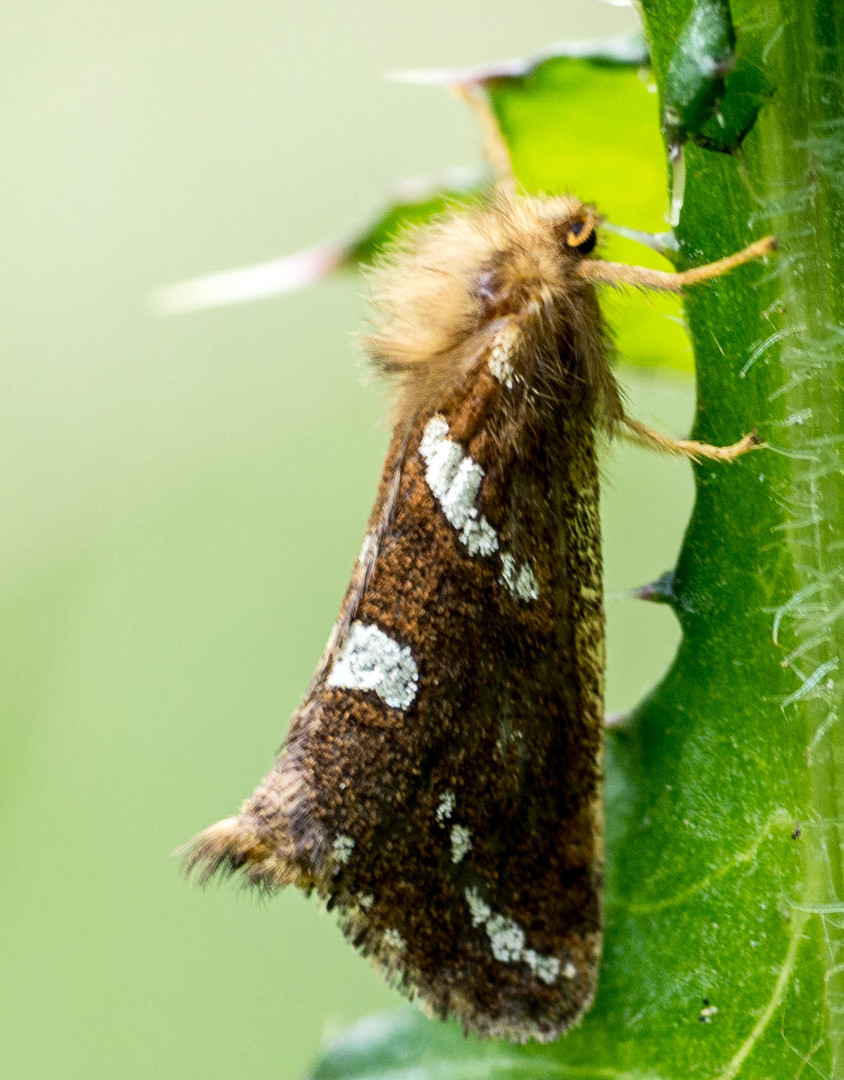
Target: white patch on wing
366,550
546,968
503,345
445,807
458,499
479,909
479,537
519,579
461,843
507,940
455,481
370,660
393,939
341,849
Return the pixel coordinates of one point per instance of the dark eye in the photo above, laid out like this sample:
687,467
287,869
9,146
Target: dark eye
581,236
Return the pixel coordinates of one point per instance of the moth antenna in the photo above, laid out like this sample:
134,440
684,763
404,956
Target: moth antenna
233,845
495,146
665,243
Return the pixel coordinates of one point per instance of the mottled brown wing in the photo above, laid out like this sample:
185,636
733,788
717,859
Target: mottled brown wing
441,785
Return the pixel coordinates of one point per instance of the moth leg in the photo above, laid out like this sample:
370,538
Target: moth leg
613,273
495,148
666,281
637,432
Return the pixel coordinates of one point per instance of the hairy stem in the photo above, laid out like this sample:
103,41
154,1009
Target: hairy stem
778,363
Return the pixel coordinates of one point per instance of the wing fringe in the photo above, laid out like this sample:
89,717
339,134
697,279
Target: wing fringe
236,845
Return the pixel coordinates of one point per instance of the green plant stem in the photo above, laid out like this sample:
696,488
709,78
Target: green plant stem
801,152
787,377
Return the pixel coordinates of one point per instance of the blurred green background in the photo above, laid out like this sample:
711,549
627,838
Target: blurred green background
183,498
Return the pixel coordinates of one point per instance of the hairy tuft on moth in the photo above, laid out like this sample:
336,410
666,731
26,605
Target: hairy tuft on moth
441,784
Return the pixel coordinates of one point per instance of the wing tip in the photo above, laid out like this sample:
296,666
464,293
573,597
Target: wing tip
236,845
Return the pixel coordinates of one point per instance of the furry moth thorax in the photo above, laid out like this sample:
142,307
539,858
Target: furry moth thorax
511,270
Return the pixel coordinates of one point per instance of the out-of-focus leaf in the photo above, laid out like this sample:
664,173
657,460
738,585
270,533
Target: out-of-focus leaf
627,51
560,113
258,282
411,202
414,202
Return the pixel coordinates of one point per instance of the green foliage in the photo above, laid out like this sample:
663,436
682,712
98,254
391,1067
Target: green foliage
567,131
713,90
725,894
695,80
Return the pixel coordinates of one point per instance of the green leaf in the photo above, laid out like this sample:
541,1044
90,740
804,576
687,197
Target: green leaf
725,892
559,113
410,203
695,81
569,122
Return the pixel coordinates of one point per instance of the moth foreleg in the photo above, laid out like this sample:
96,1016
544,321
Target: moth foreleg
612,273
635,431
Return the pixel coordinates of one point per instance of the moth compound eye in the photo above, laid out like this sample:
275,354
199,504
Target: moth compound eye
581,235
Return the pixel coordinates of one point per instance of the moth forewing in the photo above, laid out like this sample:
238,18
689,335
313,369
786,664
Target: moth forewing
441,783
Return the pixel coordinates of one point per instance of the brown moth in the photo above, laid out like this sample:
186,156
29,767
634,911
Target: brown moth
440,785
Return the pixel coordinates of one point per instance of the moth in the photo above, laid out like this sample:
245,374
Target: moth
440,786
